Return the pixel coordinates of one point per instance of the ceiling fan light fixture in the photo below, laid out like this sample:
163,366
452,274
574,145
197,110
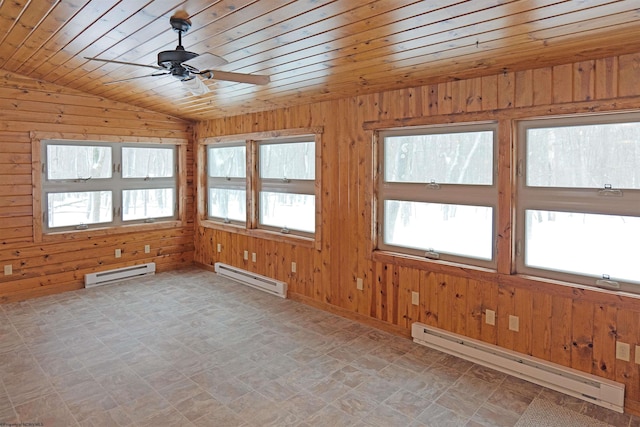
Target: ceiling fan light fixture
195,86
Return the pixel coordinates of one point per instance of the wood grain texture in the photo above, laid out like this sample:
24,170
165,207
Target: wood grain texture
47,264
571,326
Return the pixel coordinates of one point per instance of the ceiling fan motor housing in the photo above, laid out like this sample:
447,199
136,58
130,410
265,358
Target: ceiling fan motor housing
172,60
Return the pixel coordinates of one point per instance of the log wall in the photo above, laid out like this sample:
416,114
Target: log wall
572,326
44,266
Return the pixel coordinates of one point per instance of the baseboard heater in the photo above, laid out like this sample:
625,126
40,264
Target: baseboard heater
267,284
118,274
600,391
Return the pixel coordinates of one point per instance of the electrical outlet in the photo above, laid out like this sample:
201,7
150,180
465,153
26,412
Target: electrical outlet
490,317
293,267
8,270
514,323
219,247
623,351
118,253
415,298
147,249
359,284
246,255
253,257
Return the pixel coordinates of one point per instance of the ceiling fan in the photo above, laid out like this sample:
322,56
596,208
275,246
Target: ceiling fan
189,67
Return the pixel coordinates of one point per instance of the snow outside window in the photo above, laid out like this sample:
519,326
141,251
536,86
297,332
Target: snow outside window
106,184
286,185
437,194
578,216
227,182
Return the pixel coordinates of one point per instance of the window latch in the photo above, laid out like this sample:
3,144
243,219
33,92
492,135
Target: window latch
433,185
286,180
226,221
150,220
431,254
228,178
82,179
606,282
609,191
82,227
284,230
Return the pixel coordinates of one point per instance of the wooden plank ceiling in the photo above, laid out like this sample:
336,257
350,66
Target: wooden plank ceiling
313,50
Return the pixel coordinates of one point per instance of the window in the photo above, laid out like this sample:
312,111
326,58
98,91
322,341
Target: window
227,182
437,195
104,184
578,214
287,185
264,184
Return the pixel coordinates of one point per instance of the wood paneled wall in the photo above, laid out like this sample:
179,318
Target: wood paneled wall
28,106
571,326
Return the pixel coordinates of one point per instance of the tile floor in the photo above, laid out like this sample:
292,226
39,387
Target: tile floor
189,348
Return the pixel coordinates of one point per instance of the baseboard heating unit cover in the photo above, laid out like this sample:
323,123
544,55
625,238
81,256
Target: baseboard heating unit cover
254,280
118,274
594,389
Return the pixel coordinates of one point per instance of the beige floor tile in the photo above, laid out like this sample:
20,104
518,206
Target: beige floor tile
329,390
304,404
168,417
384,416
190,347
21,387
222,417
198,406
355,404
144,407
494,416
48,409
407,403
438,416
331,416
180,391
510,400
461,403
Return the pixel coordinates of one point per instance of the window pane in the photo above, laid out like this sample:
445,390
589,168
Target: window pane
293,211
451,158
151,203
65,209
143,162
78,162
584,156
227,162
587,244
229,204
296,160
454,229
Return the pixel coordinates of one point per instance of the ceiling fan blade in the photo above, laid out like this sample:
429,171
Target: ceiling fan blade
111,61
135,78
253,79
205,61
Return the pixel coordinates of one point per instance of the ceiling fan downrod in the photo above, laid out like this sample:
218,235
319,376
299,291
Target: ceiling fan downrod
172,59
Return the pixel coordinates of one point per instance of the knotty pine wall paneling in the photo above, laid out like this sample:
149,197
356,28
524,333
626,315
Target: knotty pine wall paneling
572,326
43,266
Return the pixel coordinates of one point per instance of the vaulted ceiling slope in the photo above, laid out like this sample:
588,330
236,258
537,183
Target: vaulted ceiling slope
313,50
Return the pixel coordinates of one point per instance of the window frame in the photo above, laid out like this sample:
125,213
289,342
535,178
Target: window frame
39,140
283,185
252,226
579,200
458,194
229,183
